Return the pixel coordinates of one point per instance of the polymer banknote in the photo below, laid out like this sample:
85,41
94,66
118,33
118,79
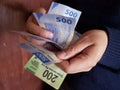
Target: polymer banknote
62,27
64,10
39,63
47,57
51,74
38,38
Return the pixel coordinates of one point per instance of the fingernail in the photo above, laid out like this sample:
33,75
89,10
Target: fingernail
49,34
61,55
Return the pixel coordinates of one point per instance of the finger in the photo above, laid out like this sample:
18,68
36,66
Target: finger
84,61
74,49
80,63
37,42
41,10
64,65
35,29
71,69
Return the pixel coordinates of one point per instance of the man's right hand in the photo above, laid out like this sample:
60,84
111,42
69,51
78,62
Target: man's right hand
33,28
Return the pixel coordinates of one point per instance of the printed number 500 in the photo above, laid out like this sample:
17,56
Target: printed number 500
49,75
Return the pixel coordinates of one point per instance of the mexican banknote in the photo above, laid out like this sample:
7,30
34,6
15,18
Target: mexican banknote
47,57
39,62
51,74
62,36
62,27
60,9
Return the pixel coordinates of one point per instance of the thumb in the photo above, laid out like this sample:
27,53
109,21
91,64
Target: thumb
40,10
74,49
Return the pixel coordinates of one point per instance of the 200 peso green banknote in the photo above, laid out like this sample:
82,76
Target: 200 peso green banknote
50,74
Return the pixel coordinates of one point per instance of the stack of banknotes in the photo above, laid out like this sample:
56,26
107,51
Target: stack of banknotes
61,20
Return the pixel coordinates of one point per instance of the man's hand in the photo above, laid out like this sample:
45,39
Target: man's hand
33,28
85,53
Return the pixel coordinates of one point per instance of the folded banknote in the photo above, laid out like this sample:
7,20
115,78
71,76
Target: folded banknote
51,74
38,38
42,62
62,27
60,9
46,56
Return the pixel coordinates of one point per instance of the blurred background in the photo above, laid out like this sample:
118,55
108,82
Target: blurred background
13,76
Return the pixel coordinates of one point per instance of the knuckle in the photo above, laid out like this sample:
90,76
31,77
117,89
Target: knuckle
86,40
88,69
71,50
41,10
91,64
30,19
29,25
43,33
68,70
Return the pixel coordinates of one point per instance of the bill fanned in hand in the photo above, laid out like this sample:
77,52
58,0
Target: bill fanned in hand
46,56
59,21
60,9
62,27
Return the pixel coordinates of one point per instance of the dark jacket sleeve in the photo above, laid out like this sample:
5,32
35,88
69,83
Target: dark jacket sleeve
111,57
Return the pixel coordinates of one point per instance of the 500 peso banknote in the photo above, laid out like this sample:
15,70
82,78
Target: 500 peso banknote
62,27
60,9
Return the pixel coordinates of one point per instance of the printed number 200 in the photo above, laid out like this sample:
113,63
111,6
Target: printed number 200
50,76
